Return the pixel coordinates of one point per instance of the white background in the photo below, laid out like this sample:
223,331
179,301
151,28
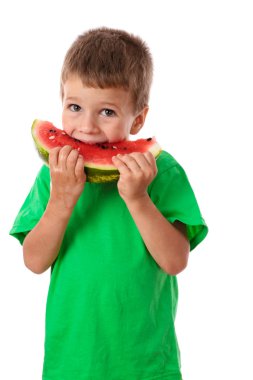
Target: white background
200,111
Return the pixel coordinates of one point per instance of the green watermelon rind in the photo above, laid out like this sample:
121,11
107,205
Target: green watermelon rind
93,174
101,176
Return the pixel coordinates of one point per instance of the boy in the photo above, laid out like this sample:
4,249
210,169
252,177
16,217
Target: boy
114,249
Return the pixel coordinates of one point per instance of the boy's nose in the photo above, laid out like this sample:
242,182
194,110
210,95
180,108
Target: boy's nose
88,126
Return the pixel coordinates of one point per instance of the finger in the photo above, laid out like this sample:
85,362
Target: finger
120,164
72,159
152,161
79,168
142,163
137,162
150,158
63,155
130,163
141,160
53,157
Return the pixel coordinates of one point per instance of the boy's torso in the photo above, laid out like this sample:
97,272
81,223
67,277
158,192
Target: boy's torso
110,308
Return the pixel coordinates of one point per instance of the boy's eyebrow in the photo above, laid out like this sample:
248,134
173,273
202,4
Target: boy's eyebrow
102,102
108,103
72,98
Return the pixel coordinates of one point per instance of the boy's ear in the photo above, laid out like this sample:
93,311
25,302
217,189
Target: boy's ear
139,121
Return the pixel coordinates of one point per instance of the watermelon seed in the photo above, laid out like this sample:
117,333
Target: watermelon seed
51,137
149,139
52,130
104,146
114,147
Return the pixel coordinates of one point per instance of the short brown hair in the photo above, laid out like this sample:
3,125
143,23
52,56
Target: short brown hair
106,57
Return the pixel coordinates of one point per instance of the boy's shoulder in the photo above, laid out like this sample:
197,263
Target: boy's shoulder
170,174
43,178
43,173
166,161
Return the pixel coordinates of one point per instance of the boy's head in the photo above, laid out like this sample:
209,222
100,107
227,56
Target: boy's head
111,58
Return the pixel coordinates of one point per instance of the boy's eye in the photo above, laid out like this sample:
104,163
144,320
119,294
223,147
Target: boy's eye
108,112
74,107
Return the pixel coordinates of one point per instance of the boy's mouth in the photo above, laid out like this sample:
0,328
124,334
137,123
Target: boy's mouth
89,141
92,142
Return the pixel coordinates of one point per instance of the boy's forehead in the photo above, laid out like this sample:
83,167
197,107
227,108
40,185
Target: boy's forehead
75,88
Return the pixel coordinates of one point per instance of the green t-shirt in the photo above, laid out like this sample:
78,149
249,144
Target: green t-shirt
110,308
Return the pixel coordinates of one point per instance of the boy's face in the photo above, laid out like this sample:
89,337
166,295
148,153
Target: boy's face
96,115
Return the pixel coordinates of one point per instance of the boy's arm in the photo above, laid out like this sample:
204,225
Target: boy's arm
167,243
41,246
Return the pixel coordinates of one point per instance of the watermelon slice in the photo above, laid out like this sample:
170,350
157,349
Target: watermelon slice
98,163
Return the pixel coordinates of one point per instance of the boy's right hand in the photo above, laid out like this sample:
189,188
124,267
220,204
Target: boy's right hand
67,176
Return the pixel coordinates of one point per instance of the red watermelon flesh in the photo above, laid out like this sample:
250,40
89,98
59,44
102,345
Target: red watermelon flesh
97,157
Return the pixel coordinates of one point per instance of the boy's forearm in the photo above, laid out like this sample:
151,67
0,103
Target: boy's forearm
167,244
42,244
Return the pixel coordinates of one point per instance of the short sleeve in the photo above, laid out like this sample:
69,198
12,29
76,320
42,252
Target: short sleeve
33,206
174,197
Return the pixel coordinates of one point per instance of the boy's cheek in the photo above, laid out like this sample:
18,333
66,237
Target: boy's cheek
67,125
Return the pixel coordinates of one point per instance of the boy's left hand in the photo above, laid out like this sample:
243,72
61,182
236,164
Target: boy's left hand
137,171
